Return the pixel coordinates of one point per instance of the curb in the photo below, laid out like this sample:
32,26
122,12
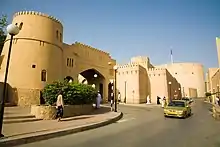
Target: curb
8,142
140,106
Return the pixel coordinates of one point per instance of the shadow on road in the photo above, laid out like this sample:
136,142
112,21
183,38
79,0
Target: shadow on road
77,118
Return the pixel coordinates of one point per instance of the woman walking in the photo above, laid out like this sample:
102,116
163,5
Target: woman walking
59,106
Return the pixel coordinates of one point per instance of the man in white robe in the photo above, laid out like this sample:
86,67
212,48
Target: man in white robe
98,100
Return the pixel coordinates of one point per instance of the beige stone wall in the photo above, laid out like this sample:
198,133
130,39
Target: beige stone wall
210,73
28,97
131,83
189,75
192,92
215,81
39,46
159,84
35,45
49,112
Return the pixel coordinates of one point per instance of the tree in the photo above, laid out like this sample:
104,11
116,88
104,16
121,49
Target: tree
3,24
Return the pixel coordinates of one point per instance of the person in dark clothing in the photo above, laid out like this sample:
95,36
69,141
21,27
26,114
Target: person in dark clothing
158,100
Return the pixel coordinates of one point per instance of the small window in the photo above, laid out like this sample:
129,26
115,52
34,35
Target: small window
72,63
61,37
21,25
57,34
43,75
67,62
33,66
158,74
192,72
176,73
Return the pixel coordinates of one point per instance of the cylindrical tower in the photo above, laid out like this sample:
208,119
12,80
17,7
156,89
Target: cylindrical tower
36,57
190,76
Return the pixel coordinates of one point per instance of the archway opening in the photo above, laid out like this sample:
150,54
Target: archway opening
94,78
68,79
110,90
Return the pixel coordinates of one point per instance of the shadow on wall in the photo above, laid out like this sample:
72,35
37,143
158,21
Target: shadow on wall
148,88
12,96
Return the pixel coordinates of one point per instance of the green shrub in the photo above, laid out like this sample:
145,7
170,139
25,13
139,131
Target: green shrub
73,93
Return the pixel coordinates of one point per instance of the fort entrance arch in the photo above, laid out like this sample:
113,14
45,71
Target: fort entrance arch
43,57
93,78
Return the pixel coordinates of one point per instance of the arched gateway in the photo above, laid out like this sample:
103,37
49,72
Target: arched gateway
43,57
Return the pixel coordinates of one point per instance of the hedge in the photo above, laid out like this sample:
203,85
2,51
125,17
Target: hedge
73,93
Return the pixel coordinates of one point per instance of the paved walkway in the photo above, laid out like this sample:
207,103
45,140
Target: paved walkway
15,129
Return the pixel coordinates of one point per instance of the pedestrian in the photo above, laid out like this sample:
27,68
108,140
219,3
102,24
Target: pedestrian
59,106
217,100
119,97
158,100
112,100
98,100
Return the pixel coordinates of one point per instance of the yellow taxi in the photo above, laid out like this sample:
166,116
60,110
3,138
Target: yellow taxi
178,108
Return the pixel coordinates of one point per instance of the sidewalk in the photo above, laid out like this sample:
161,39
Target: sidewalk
141,105
20,133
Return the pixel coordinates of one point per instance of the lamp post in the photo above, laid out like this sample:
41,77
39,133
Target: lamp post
115,90
213,96
179,92
170,89
183,92
12,31
217,90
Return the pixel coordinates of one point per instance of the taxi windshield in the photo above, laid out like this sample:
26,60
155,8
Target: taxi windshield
176,104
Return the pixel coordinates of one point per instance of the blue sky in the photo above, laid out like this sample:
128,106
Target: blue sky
127,28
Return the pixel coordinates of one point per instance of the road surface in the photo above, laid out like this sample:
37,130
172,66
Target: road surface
147,127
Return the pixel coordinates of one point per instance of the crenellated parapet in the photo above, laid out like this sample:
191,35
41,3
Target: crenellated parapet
130,65
156,69
92,48
39,14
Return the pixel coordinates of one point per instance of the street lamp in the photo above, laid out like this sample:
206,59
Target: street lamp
95,75
179,92
170,89
12,31
115,90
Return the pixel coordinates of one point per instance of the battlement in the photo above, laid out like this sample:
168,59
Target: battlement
129,65
156,69
90,47
39,14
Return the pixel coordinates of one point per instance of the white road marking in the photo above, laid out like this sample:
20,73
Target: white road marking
124,120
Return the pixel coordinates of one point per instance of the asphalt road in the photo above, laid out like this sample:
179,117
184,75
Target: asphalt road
141,127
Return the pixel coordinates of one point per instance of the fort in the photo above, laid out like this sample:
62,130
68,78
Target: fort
39,56
140,79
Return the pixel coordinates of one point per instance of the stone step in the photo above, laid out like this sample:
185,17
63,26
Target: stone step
9,105
23,116
20,120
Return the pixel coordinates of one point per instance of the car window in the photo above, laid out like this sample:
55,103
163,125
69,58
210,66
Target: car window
176,104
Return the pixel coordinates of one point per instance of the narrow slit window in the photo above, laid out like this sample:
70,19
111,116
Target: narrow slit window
72,63
21,25
67,62
57,34
61,37
43,75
